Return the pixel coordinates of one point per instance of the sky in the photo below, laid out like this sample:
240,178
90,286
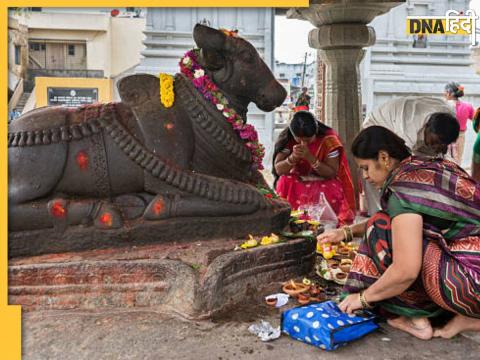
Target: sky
291,40
291,37
475,4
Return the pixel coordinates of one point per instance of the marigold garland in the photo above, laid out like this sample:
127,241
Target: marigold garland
167,96
227,32
190,68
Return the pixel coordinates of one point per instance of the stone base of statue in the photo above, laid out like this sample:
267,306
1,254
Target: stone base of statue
141,232
195,279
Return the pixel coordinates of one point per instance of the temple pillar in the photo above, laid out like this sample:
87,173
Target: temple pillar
341,50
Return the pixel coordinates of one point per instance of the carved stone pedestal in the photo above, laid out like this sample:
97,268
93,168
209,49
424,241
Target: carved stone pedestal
197,279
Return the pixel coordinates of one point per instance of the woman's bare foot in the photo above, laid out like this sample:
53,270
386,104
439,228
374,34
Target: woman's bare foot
458,324
418,327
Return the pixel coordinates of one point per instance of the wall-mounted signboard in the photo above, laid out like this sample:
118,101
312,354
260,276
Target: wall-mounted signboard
72,97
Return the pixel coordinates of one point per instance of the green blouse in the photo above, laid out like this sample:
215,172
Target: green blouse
395,207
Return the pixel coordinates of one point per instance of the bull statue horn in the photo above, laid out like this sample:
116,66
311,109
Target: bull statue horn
208,38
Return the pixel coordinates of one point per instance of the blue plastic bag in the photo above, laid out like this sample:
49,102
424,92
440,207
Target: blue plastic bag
325,326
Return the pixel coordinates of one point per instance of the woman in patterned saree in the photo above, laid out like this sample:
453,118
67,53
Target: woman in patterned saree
421,254
308,160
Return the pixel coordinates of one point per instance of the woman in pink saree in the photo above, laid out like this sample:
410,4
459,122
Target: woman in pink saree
309,159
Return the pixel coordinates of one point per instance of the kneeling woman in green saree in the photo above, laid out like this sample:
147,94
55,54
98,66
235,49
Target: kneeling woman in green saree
421,254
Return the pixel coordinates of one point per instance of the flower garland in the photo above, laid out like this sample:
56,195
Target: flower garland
167,96
211,92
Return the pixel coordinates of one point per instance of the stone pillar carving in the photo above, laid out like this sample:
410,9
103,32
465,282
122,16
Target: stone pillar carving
340,47
320,83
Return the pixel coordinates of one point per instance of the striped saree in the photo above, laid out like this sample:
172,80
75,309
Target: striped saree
450,275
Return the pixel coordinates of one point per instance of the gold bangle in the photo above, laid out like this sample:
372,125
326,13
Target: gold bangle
316,164
364,301
348,233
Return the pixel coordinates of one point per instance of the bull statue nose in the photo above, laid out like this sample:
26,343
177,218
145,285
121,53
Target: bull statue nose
271,96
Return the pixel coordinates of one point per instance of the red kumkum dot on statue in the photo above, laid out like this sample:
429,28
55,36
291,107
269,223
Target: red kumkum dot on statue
106,219
82,160
58,210
169,126
158,207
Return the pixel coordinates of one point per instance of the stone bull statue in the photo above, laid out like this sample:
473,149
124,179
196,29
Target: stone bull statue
122,165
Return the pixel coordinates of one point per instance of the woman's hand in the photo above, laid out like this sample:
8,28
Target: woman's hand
331,236
299,151
302,151
351,303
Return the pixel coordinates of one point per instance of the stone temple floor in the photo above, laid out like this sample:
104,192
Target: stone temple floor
148,334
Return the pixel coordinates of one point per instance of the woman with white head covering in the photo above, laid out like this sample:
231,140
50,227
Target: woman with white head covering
406,116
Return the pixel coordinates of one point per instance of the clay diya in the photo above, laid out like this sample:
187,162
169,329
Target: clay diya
346,265
334,266
331,261
293,288
343,251
271,301
340,276
345,268
303,298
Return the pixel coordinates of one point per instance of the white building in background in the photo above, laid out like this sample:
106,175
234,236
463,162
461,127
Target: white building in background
398,64
291,77
294,73
169,35
74,49
476,59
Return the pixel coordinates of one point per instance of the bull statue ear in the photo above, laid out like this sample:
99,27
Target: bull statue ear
137,89
208,38
211,59
212,45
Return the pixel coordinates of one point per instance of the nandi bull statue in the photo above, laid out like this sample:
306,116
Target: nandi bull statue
173,159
